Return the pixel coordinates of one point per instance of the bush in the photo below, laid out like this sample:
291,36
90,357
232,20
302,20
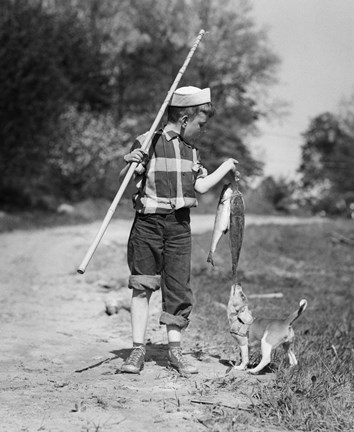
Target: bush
89,144
48,62
271,196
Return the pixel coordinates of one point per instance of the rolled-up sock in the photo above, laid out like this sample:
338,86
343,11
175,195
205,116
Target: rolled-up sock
174,344
138,344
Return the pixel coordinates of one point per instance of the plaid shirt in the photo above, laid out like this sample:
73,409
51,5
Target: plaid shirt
167,184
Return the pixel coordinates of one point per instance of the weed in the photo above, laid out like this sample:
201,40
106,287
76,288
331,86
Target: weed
300,262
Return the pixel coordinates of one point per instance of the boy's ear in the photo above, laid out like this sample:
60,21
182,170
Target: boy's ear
184,120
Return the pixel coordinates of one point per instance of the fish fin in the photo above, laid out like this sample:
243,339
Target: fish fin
210,259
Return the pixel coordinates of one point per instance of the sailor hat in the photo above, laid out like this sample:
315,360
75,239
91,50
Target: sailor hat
190,96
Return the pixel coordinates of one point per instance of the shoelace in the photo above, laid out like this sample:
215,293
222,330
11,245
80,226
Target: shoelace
136,354
177,352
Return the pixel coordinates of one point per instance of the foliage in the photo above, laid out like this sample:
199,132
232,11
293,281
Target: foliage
47,63
327,153
89,144
300,262
233,59
116,60
272,196
327,159
277,191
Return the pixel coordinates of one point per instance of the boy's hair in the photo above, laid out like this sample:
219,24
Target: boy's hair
175,113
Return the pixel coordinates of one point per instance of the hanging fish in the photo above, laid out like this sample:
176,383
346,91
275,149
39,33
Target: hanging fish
237,226
222,220
230,216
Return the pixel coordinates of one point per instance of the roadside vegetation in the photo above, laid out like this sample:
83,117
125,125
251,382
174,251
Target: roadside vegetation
80,80
77,88
300,262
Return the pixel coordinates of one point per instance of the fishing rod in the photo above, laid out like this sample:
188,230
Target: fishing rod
145,147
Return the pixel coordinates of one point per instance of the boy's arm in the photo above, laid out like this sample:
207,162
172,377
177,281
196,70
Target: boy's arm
203,184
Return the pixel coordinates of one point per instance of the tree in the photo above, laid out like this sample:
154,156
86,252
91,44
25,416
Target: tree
112,63
47,64
272,196
327,161
147,41
327,154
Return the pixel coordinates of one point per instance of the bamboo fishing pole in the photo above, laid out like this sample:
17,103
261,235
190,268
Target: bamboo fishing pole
145,146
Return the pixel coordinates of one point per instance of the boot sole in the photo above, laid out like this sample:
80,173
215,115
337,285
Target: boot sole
131,371
182,372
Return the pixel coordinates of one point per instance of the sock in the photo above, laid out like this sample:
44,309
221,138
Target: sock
138,344
172,345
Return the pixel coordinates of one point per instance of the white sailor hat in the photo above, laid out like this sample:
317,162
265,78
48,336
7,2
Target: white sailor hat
190,96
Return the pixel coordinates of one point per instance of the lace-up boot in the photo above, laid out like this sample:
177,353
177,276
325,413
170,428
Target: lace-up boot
135,362
180,363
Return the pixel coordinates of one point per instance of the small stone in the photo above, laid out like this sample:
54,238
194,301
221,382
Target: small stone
66,209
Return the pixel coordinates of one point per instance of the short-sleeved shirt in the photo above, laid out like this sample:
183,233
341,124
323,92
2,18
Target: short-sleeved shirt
167,184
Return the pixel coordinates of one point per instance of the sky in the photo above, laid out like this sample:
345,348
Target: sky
315,42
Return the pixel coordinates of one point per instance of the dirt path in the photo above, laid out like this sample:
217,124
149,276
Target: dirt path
60,351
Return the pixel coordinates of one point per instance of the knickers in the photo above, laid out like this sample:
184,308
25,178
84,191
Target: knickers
159,255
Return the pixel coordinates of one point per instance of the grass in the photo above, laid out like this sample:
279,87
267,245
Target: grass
87,212
301,262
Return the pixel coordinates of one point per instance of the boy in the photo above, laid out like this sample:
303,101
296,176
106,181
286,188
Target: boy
159,246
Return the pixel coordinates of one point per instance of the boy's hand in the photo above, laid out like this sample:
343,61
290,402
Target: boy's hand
231,164
136,155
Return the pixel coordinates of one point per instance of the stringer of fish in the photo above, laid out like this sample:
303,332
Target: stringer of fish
230,217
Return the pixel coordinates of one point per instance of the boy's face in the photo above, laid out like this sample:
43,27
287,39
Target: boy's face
194,127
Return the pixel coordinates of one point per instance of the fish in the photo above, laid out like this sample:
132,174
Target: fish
237,227
230,217
222,220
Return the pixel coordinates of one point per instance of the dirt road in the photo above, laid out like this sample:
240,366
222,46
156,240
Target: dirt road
60,351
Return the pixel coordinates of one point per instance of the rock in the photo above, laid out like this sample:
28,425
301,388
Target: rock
66,209
117,301
111,305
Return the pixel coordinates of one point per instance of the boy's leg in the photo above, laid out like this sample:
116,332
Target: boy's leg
139,314
139,318
175,277
175,355
176,292
142,287
144,263
173,334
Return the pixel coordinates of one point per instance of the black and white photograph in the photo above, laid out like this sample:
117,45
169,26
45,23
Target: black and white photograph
176,215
